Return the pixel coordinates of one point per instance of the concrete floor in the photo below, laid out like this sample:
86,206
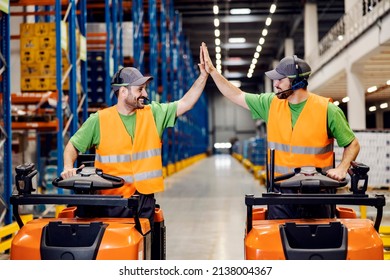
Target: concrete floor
204,209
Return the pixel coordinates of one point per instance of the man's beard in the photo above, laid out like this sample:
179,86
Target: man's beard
284,94
142,101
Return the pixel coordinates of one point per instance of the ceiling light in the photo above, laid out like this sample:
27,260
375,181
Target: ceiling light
216,10
384,105
236,83
272,9
235,58
340,37
216,22
388,82
249,75
372,108
261,41
237,40
345,99
264,33
372,89
336,103
217,41
244,11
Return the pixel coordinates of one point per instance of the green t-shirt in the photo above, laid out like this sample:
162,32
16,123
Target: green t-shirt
89,133
259,105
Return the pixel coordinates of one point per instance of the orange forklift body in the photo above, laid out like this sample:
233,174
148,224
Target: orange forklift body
264,241
67,237
342,236
120,241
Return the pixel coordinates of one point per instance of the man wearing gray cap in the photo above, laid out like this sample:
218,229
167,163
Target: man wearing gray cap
301,126
127,139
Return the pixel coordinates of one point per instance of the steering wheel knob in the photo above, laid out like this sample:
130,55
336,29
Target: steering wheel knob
88,171
308,170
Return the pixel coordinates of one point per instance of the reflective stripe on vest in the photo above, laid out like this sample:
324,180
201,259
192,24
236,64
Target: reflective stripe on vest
127,178
127,158
301,150
148,175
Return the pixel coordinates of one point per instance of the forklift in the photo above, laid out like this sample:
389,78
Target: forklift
69,237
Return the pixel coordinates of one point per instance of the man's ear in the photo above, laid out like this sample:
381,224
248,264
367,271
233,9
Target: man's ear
122,90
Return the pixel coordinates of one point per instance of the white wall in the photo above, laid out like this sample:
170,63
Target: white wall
228,120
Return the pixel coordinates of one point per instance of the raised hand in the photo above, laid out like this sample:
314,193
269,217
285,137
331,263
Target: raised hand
205,57
201,65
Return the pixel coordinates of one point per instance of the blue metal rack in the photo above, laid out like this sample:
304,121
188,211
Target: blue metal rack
165,53
179,69
46,11
82,17
71,18
153,50
108,60
111,15
166,69
138,33
6,132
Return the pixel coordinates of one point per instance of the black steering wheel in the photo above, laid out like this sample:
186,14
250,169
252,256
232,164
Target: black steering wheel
88,180
308,179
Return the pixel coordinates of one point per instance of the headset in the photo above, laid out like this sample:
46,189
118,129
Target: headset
118,80
298,82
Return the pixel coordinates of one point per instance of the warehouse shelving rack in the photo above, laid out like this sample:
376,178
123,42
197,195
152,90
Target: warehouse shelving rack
166,67
138,33
5,116
45,11
107,44
158,50
161,50
190,137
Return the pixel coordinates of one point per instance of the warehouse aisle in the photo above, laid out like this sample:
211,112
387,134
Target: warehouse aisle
205,211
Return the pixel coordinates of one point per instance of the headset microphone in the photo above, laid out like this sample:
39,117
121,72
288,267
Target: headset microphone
283,91
289,91
146,100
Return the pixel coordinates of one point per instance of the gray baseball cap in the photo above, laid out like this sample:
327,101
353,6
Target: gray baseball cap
128,76
287,68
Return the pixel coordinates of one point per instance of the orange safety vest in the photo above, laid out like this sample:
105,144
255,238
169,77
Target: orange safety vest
308,143
138,162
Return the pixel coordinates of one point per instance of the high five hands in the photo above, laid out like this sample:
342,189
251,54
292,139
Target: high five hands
205,58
